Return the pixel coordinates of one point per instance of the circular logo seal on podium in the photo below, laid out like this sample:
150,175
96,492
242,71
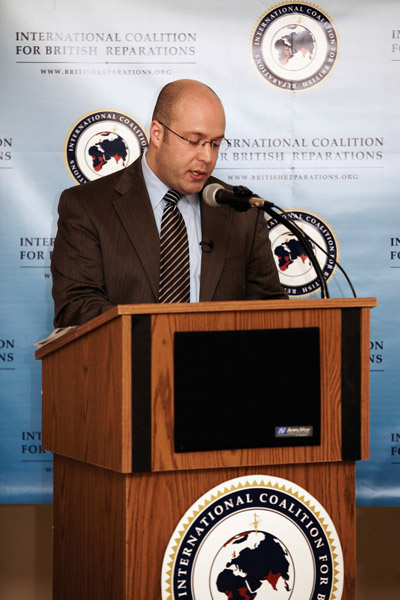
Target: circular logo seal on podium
296,273
102,142
294,46
255,537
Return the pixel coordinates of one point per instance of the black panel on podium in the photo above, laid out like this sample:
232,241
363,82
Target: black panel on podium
247,389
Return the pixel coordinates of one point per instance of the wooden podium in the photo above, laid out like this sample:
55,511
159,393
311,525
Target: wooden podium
120,485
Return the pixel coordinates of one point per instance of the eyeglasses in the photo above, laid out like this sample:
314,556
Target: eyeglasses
215,146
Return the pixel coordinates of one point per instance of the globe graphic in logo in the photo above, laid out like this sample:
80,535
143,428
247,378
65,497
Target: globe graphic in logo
293,47
254,538
296,272
253,564
103,142
291,255
106,152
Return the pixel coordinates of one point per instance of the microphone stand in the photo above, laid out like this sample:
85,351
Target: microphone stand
303,241
339,266
243,192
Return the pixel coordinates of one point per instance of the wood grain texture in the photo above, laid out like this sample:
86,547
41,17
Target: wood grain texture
163,330
249,305
87,382
86,410
111,530
111,527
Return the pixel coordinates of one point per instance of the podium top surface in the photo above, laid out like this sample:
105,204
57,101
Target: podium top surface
204,307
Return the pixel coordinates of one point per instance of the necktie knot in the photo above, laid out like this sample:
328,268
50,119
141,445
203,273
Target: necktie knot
172,196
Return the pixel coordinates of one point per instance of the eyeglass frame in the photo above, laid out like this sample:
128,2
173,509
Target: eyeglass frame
200,143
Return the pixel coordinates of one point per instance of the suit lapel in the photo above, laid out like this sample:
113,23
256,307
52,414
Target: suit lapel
215,226
136,214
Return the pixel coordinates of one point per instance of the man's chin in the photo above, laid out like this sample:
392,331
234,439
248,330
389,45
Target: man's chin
193,188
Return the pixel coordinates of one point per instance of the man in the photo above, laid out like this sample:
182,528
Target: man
107,248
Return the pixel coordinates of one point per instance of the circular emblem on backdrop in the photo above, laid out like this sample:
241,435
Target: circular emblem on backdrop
254,538
102,142
294,46
296,273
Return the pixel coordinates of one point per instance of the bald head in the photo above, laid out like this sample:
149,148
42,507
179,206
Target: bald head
186,112
169,98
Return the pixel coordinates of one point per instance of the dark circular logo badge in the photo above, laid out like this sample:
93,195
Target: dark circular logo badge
296,273
102,142
255,537
294,46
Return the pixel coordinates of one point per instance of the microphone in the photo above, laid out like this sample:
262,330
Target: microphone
207,246
239,198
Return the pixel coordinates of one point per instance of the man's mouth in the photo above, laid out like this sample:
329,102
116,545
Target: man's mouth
198,174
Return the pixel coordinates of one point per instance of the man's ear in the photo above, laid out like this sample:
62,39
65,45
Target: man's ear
156,133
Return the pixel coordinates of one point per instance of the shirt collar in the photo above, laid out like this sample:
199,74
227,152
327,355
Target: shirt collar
157,189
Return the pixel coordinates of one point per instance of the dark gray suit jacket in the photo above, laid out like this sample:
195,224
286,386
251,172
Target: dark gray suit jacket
107,250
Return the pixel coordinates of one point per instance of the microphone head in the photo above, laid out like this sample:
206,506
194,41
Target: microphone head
209,193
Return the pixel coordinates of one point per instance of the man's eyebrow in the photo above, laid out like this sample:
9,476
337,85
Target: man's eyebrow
203,136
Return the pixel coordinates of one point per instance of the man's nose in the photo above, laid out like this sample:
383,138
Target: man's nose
206,152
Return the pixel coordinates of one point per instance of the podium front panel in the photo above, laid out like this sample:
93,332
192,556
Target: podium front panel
165,329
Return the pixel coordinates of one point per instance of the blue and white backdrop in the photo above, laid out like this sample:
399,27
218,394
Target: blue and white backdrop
312,96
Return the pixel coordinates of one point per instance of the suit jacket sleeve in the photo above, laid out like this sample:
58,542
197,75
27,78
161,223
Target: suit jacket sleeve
77,268
262,279
241,265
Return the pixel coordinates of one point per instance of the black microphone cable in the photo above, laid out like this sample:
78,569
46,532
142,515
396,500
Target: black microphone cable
339,266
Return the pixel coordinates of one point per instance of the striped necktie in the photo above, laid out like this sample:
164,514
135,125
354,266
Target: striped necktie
174,253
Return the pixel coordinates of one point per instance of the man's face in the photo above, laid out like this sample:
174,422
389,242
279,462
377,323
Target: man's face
179,165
